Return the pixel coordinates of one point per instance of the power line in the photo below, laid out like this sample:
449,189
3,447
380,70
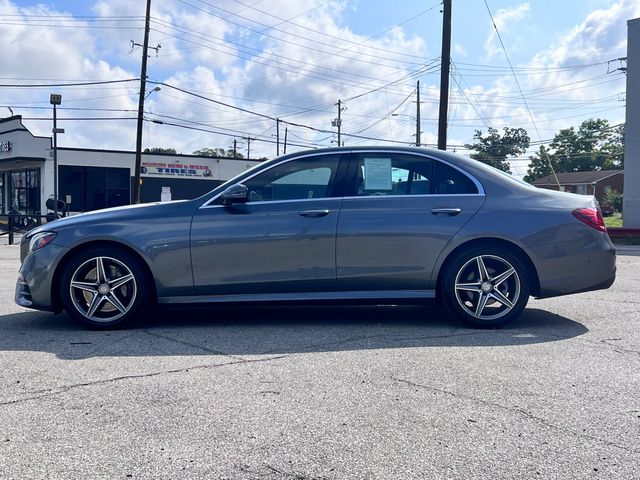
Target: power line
519,87
256,56
268,27
333,37
77,84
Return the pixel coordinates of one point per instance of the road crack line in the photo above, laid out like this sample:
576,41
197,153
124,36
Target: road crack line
60,390
193,345
517,410
396,338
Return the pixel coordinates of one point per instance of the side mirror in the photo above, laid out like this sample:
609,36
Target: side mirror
237,193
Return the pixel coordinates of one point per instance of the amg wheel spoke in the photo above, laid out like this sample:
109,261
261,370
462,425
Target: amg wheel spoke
118,282
100,272
113,300
482,302
95,303
482,270
500,297
502,277
469,287
86,286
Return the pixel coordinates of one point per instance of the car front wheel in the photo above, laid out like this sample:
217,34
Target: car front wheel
104,288
485,287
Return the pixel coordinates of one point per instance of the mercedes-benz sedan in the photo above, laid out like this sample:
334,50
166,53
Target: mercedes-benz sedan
374,224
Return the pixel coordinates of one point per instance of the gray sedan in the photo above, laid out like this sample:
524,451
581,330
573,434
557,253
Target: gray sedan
373,224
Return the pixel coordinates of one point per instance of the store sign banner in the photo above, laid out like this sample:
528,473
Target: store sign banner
165,169
5,146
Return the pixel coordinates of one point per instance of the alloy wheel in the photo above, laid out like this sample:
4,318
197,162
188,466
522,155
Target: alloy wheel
103,289
487,287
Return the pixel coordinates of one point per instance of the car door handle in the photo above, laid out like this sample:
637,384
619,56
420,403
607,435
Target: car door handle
314,213
452,212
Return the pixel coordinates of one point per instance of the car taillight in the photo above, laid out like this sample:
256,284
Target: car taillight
591,217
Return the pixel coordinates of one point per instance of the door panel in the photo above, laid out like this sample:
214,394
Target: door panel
402,211
265,247
387,243
283,240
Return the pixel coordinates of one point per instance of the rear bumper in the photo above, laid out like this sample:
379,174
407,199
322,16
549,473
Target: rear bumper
572,269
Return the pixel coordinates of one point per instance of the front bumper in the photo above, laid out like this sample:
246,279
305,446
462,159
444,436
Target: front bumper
36,278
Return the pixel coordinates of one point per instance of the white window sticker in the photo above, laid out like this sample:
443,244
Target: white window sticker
377,174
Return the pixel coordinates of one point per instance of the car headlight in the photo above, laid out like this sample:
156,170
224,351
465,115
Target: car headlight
39,240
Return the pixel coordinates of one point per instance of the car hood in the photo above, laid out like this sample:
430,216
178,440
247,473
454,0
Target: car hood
122,213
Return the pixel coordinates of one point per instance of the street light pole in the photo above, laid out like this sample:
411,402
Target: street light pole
55,99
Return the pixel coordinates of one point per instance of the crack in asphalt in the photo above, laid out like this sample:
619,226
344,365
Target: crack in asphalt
292,475
518,411
193,345
399,338
65,388
617,348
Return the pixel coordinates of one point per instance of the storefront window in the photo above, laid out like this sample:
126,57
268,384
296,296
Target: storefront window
2,210
92,188
24,192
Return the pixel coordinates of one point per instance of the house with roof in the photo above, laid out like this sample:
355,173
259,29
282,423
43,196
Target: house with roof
585,183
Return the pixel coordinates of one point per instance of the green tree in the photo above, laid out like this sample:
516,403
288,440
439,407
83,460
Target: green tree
494,149
539,165
217,152
594,146
614,198
170,151
614,149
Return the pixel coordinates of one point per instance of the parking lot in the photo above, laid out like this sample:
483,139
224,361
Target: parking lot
306,392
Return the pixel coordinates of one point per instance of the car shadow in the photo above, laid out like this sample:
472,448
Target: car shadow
275,330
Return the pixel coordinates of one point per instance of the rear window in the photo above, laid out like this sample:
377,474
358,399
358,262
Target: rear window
450,181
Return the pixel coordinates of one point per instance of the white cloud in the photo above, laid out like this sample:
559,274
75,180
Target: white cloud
459,50
296,71
504,20
293,56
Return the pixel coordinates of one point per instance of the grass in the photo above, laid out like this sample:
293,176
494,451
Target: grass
613,221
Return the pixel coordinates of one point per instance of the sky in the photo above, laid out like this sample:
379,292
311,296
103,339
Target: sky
226,69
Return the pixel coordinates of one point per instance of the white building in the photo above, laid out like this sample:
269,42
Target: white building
89,179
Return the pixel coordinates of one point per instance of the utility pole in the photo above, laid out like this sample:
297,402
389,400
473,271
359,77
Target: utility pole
249,140
338,121
286,130
143,84
235,148
445,63
277,137
418,116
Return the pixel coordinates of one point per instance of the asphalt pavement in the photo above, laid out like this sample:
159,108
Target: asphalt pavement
325,392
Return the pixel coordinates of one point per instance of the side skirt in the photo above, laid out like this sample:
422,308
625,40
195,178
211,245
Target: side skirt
367,295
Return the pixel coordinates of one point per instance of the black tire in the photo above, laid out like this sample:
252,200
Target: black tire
504,287
113,299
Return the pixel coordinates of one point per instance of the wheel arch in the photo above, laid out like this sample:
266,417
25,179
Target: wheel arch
514,249
55,290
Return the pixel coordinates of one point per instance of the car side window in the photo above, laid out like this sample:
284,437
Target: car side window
392,174
450,181
304,178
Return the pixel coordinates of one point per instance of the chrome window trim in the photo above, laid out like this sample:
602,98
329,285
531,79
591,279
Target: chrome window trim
421,195
481,191
271,202
435,159
361,197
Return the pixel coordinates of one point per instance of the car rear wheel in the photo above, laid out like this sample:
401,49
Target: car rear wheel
485,287
104,288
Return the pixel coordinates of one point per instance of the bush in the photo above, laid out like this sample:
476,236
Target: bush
614,198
